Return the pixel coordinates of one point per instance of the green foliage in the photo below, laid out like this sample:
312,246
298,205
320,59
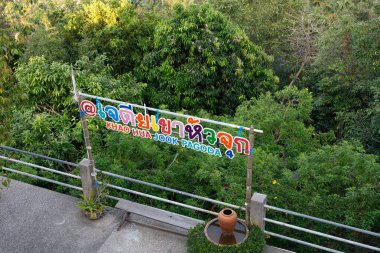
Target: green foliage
113,29
48,111
95,202
9,49
44,85
49,44
269,23
312,157
95,77
239,11
4,182
198,243
338,183
201,60
342,179
284,117
90,204
60,136
346,81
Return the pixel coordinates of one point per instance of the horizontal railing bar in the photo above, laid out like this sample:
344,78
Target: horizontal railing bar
43,179
170,189
126,178
161,199
38,155
53,181
114,198
168,112
39,167
322,234
302,242
111,186
188,206
118,188
322,220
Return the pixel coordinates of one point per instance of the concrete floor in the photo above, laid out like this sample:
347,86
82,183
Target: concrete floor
137,235
34,219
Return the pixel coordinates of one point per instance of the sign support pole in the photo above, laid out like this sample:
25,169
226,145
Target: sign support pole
249,178
91,165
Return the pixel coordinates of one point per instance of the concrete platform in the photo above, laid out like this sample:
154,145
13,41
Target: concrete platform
34,219
143,235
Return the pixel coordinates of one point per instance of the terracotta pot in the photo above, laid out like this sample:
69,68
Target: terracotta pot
227,220
94,215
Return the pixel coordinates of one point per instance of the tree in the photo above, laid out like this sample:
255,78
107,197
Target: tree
238,11
201,60
284,117
9,52
278,27
46,102
212,57
345,80
114,29
335,182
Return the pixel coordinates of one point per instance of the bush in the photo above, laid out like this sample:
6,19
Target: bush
198,243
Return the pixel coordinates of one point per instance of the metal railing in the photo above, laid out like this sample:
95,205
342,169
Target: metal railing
317,233
118,187
38,155
322,220
302,242
310,231
264,205
171,190
42,178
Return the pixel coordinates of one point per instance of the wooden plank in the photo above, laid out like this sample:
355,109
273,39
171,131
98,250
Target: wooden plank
158,214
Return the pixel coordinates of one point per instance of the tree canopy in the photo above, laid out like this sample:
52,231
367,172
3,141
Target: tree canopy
201,60
305,72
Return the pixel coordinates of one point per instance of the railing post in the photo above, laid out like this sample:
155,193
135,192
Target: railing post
257,213
88,182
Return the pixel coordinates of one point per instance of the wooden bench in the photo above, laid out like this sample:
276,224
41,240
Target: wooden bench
158,214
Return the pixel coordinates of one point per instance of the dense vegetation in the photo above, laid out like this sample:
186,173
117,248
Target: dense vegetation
198,243
306,72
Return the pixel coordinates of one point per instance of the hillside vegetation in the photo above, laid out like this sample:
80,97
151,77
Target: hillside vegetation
306,72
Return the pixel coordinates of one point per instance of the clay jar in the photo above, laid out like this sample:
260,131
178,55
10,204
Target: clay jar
227,220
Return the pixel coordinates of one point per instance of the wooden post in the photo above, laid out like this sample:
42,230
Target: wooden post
89,189
249,178
89,164
258,202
